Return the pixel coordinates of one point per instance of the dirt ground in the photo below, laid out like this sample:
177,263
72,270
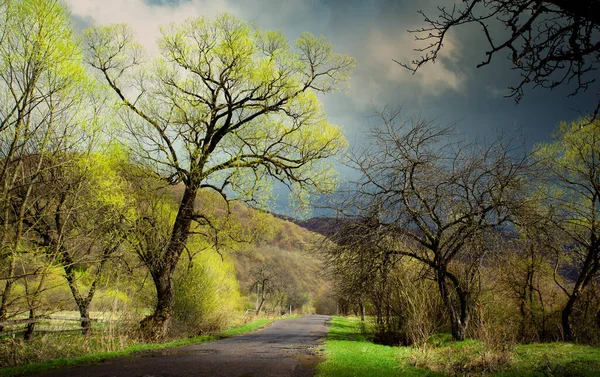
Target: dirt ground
287,348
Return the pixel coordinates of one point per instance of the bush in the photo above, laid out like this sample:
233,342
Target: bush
207,296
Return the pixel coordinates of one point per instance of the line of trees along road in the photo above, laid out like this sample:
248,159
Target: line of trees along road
93,131
108,158
480,221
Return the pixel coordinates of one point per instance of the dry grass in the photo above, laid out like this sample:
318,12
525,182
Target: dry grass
466,358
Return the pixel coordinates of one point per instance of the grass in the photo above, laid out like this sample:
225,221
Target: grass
555,359
93,358
349,353
474,358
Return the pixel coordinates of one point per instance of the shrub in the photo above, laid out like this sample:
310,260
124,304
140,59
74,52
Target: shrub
206,294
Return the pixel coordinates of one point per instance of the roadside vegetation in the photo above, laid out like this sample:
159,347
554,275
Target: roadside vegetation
350,351
134,192
51,351
130,220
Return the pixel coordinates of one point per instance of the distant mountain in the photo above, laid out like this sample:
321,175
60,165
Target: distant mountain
326,226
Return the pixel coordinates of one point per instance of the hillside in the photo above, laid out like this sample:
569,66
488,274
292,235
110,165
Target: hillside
274,250
285,254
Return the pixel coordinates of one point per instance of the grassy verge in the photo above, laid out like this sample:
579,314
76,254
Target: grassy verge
348,353
474,358
66,362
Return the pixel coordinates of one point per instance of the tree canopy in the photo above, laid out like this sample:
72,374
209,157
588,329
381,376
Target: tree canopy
224,107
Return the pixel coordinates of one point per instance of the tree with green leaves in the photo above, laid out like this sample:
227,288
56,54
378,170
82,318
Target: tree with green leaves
41,77
572,189
223,107
79,216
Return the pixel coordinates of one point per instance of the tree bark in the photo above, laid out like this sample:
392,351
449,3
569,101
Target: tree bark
86,324
362,311
262,299
156,325
30,326
459,317
568,333
589,269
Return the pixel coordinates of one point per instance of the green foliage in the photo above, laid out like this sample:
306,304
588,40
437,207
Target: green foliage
239,101
38,34
572,159
284,253
206,294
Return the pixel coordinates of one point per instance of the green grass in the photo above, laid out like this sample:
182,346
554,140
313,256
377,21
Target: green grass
474,358
67,362
553,360
348,353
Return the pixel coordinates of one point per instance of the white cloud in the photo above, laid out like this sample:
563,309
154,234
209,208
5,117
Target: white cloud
433,78
145,19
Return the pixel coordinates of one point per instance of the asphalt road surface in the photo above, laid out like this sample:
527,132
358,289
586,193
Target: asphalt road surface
287,348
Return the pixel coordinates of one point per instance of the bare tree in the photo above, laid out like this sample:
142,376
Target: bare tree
438,200
551,42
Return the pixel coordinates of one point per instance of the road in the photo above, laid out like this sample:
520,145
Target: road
287,348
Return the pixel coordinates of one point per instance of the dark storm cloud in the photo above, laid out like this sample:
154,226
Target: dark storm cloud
452,90
375,33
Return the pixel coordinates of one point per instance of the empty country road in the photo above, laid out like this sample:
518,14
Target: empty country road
287,348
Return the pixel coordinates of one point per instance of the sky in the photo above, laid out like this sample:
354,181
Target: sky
451,91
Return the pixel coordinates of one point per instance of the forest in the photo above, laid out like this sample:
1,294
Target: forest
135,193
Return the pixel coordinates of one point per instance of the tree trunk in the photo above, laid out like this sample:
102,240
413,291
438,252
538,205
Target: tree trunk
362,311
30,326
86,324
155,326
459,317
568,334
82,304
262,299
262,303
588,270
5,295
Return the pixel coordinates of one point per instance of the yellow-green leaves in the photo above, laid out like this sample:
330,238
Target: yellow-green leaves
335,68
107,189
40,66
112,49
572,163
37,34
225,103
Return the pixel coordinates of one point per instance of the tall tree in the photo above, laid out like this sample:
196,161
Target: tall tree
550,42
224,107
40,79
572,187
